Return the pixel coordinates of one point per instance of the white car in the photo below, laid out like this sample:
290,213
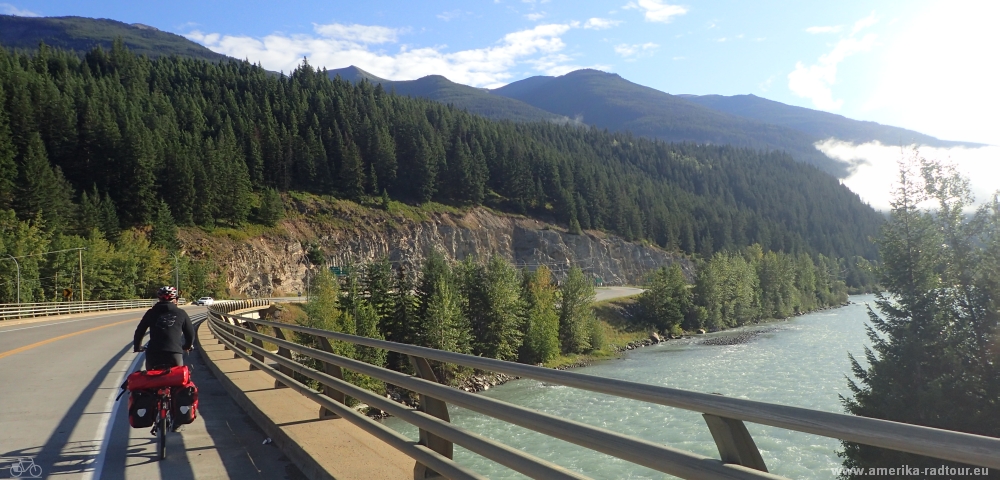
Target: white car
204,301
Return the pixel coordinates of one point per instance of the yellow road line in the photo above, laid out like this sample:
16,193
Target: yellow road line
55,339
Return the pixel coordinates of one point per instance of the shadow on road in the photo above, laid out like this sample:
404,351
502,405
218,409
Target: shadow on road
59,456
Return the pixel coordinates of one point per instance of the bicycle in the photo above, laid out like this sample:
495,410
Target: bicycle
29,467
164,418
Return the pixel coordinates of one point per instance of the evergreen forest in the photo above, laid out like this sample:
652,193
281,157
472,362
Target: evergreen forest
207,139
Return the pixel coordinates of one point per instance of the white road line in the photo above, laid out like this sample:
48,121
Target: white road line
106,425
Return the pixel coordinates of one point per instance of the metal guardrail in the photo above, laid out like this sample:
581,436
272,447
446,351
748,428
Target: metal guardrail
724,416
10,311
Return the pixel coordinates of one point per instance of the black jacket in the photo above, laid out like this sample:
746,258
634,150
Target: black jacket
166,324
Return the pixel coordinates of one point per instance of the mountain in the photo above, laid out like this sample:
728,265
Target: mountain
435,87
609,101
819,124
81,34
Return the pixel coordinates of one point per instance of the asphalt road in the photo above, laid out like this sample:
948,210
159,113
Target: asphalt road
607,293
58,381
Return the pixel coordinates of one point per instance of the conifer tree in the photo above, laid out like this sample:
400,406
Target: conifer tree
932,360
8,167
272,208
164,232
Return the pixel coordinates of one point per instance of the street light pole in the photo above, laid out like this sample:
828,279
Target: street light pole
177,275
18,277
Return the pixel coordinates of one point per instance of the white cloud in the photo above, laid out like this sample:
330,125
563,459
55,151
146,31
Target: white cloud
363,34
875,167
534,17
635,50
8,9
815,81
656,10
600,23
338,46
825,29
450,15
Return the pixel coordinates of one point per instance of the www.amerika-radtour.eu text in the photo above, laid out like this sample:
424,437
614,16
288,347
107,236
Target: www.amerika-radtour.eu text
914,471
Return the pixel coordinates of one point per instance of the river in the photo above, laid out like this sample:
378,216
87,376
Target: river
803,363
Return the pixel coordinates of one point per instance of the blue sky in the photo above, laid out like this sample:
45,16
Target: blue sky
922,64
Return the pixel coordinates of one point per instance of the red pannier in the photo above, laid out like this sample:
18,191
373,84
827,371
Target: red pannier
142,408
155,379
184,403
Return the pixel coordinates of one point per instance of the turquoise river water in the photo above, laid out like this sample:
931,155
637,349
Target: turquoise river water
803,363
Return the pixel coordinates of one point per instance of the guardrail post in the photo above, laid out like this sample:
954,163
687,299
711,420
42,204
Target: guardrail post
336,372
435,407
734,442
284,352
256,341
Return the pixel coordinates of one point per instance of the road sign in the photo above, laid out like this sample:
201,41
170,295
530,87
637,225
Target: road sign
339,271
67,293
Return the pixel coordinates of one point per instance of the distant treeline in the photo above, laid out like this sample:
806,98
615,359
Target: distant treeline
736,289
205,142
490,308
132,264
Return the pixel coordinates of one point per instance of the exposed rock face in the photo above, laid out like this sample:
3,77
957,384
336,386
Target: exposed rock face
278,265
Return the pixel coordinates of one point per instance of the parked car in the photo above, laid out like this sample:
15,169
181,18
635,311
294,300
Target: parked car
204,301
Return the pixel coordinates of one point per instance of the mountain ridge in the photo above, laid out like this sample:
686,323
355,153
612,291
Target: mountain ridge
81,34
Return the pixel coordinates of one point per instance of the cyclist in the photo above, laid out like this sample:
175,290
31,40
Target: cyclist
170,331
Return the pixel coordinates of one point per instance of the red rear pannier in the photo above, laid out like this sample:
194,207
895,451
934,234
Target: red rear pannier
154,379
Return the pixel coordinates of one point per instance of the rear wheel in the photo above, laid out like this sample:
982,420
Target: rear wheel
161,440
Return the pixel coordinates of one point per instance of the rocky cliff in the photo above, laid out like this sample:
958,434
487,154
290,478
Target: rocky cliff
276,262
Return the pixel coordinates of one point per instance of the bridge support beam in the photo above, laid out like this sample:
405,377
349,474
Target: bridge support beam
333,371
437,408
284,352
734,442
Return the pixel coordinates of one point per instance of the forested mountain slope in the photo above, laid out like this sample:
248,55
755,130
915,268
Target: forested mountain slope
821,125
435,87
205,141
83,34
609,101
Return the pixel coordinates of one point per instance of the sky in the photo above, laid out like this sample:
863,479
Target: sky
926,65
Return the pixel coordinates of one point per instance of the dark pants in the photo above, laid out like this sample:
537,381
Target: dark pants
156,359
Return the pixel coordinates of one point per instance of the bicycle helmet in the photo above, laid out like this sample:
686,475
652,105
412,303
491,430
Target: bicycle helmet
167,293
